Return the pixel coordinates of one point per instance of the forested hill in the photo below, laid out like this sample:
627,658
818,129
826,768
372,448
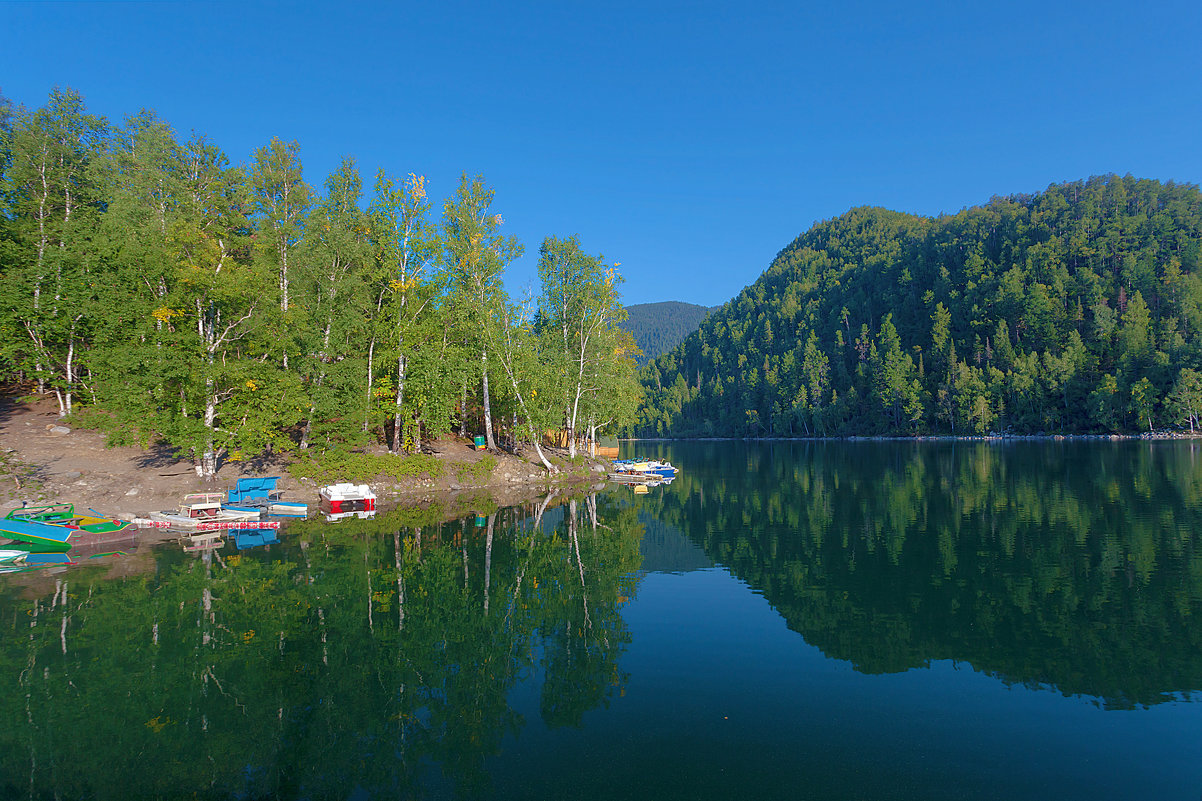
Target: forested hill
659,327
1078,309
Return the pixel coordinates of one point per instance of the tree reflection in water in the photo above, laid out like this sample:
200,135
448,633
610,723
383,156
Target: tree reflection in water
1072,565
378,656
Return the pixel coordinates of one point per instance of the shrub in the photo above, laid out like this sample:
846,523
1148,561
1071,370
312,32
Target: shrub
476,471
334,466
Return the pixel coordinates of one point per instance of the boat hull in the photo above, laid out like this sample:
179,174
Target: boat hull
45,535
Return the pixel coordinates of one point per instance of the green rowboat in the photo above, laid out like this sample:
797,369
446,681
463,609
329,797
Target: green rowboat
52,526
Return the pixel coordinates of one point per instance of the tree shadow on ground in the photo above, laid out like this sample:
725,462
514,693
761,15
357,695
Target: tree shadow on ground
10,401
159,455
270,462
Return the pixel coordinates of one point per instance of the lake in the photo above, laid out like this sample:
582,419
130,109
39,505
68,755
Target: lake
786,620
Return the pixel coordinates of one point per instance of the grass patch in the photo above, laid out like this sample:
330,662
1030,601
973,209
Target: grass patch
335,466
476,471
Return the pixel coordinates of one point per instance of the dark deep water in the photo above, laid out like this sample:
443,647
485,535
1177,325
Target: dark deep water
855,620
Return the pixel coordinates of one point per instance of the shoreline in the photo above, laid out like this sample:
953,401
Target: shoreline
43,459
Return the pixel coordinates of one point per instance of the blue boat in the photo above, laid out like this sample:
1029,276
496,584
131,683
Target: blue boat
45,535
260,493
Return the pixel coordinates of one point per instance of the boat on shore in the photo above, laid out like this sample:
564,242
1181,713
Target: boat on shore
42,535
201,510
56,527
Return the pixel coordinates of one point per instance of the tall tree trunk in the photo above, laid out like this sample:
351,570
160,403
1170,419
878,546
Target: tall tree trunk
70,367
397,422
463,411
371,352
206,465
321,377
43,243
492,445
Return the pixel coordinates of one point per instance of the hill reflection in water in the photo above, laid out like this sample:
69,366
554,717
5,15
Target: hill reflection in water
1072,565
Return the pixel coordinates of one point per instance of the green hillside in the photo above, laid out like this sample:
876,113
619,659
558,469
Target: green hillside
659,327
1078,309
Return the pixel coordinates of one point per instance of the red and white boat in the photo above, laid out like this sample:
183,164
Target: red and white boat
339,501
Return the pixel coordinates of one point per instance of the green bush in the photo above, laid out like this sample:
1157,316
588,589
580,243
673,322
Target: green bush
334,466
476,471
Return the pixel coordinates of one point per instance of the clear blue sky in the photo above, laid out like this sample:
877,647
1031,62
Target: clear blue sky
688,141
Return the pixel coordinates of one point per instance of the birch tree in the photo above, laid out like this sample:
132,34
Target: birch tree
280,202
475,255
218,295
580,308
336,310
51,193
406,290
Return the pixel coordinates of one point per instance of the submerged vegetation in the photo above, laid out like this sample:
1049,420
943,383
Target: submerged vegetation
1075,310
233,309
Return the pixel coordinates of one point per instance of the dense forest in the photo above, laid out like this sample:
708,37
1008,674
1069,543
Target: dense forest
156,288
659,327
1075,310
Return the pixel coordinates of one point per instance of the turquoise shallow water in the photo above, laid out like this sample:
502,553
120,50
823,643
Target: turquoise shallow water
785,620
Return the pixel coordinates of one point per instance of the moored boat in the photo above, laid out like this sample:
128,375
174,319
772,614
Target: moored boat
202,510
45,536
260,493
90,534
655,466
346,497
63,514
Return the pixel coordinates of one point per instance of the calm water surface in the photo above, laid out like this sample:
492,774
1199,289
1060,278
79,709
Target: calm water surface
785,620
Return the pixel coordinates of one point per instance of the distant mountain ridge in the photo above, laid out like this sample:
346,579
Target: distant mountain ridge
660,327
1074,310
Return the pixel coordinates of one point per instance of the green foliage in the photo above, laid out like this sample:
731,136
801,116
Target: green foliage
477,470
230,311
659,327
334,466
585,350
1005,317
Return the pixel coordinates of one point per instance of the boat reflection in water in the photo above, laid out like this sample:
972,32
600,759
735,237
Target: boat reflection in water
975,621
392,636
